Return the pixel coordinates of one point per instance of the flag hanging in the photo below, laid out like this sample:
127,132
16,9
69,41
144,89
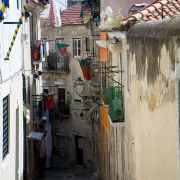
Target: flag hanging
62,49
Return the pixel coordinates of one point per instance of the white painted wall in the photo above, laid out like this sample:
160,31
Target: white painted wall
11,76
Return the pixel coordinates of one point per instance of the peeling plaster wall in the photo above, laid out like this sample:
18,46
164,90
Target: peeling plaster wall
151,142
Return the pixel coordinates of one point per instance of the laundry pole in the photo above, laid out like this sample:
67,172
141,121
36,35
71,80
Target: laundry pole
24,8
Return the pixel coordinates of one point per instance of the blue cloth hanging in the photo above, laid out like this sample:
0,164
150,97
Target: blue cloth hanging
81,13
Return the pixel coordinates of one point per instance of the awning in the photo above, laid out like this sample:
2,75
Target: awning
118,35
102,43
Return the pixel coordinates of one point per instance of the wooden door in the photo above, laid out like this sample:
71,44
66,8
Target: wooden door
61,95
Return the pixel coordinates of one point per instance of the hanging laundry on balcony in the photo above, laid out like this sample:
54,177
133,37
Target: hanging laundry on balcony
62,49
46,48
49,102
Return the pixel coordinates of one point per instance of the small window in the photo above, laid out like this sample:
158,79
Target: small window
5,126
77,47
87,40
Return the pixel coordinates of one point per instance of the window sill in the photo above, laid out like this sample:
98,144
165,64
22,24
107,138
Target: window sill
77,57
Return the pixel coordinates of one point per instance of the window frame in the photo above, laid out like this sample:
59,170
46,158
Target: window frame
77,48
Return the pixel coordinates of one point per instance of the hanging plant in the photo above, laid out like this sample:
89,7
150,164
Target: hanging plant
115,21
88,23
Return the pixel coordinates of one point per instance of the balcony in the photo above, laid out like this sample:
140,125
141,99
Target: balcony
116,104
61,110
54,63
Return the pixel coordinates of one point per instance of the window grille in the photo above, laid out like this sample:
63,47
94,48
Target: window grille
5,126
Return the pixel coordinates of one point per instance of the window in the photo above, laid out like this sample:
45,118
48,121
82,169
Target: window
61,95
77,47
5,126
45,91
87,40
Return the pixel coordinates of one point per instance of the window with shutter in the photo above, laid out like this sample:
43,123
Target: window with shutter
5,126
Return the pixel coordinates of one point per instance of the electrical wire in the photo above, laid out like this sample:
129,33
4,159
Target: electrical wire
61,3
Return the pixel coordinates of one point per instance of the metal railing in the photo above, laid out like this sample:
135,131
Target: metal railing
116,104
56,63
61,109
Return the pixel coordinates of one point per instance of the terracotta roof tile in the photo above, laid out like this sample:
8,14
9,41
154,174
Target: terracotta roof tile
159,9
72,15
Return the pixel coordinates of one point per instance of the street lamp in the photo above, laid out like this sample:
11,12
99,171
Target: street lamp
79,85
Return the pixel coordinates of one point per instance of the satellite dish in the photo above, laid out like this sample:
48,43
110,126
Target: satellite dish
108,11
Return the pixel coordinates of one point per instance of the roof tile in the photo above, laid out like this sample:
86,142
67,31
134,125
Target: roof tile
159,9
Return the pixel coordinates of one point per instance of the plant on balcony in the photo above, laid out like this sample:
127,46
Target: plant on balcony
114,21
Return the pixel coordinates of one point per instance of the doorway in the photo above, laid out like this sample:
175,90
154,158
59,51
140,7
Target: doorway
61,96
79,150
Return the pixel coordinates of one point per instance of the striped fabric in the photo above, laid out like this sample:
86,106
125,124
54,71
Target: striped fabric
3,8
17,29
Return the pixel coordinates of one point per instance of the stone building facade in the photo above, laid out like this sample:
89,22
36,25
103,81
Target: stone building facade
74,132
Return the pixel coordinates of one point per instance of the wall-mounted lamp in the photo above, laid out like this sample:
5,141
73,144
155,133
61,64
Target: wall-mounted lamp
79,85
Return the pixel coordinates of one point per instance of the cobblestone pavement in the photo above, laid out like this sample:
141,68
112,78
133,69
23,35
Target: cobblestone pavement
77,173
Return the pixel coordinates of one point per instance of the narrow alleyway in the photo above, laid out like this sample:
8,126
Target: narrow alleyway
77,173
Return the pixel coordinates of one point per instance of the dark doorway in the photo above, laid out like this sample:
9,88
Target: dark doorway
79,150
45,91
61,95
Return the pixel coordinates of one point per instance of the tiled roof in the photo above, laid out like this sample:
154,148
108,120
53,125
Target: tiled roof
69,16
72,15
159,9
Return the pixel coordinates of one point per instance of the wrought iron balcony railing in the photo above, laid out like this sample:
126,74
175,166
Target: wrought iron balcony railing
56,63
62,109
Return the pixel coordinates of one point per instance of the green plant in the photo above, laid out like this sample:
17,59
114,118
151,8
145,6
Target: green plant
114,21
